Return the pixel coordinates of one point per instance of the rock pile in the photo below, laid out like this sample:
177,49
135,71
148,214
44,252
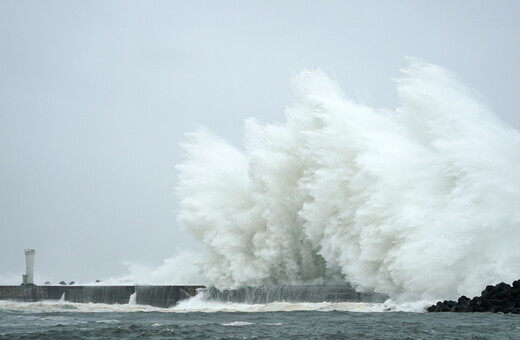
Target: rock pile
499,298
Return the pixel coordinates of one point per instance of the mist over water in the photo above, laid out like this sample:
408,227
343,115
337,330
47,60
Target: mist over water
420,202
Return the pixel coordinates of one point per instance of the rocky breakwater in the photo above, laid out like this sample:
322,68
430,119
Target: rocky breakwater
499,298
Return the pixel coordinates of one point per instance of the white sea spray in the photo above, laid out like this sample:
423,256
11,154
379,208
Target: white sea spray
420,202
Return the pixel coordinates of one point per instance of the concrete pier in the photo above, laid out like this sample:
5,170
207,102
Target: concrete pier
168,296
292,293
159,296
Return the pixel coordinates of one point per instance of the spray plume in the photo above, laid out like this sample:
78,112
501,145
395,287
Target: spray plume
417,203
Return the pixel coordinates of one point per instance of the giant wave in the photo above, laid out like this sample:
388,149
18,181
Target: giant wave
420,202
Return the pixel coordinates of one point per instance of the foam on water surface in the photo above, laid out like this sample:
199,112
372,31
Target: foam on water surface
198,304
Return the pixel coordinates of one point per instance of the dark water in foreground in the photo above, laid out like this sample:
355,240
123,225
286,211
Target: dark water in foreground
69,324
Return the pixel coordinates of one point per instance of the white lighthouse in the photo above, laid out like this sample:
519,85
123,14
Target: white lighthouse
28,278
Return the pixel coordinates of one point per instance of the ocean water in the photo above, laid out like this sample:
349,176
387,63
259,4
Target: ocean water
200,320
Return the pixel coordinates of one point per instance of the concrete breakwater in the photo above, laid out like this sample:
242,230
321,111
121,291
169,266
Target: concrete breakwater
168,296
159,296
292,293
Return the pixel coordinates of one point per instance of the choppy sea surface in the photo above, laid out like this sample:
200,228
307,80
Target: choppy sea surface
202,320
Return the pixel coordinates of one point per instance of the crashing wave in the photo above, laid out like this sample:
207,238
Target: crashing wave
418,202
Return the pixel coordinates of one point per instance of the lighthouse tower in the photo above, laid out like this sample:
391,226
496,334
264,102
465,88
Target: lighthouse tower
28,278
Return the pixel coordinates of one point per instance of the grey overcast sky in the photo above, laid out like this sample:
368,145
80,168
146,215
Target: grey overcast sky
95,97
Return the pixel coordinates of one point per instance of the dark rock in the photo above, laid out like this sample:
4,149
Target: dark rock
501,298
62,283
71,283
486,304
445,309
502,286
463,308
463,300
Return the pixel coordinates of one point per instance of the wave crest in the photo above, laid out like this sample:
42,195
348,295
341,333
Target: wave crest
418,203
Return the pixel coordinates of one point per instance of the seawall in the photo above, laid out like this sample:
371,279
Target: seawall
159,296
292,293
168,296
